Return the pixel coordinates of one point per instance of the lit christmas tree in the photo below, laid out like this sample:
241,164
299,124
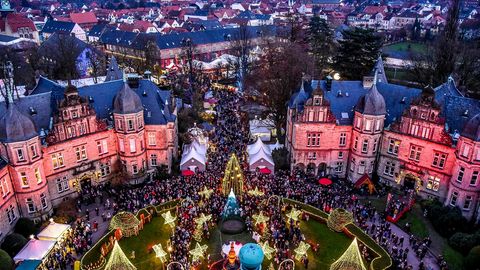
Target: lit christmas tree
350,259
233,177
118,260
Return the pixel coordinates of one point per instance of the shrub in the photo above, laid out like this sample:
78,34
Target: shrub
13,243
6,262
25,227
472,261
464,242
445,219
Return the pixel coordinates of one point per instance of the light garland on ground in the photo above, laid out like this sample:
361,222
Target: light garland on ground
198,251
294,214
169,219
256,192
301,250
267,250
206,192
260,218
160,253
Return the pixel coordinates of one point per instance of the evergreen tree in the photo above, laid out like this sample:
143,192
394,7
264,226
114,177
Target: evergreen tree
357,53
416,29
320,39
447,45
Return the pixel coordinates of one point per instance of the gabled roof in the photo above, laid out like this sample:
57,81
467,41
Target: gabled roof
191,153
82,18
257,146
52,26
259,155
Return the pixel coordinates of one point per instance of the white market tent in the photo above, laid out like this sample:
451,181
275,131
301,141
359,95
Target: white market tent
54,231
261,128
260,156
255,147
34,250
194,157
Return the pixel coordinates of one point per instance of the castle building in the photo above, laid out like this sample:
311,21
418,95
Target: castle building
427,140
58,141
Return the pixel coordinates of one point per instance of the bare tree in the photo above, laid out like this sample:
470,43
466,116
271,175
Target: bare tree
97,64
240,46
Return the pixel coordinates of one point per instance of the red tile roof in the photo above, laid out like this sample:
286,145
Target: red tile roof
16,20
82,18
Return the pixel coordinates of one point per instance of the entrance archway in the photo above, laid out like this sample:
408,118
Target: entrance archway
322,169
85,183
311,168
409,182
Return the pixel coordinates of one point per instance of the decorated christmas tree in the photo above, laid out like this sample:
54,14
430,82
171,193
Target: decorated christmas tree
118,260
233,177
351,259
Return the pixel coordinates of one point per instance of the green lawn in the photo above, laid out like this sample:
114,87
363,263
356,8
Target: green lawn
407,46
416,220
453,258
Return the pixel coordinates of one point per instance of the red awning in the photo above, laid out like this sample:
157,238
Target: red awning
325,182
187,173
265,170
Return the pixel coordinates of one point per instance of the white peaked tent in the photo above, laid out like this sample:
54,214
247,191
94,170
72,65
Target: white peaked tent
194,157
260,156
35,250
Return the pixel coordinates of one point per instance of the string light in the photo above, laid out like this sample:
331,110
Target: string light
160,253
206,192
198,251
118,260
256,192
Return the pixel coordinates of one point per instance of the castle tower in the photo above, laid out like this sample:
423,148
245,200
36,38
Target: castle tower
464,187
129,128
368,125
22,148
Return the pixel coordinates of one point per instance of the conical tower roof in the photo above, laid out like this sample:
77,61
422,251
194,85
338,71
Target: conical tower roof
127,101
351,259
16,126
373,102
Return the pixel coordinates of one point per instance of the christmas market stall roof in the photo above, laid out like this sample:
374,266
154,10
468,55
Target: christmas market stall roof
53,231
34,250
28,265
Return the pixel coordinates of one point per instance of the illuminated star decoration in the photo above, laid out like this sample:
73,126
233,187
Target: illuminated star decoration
256,192
294,214
267,250
160,253
169,219
198,251
206,192
202,219
301,250
260,218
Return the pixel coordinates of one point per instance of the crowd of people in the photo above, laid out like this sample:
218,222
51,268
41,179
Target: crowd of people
231,136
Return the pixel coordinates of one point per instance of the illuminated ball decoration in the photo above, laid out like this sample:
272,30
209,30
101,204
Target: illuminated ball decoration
338,218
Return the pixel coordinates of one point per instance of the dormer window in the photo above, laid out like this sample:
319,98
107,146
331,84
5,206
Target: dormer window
317,101
74,114
423,115
20,155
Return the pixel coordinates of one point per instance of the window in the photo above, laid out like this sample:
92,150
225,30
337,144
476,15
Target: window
339,167
461,172
414,130
426,132
130,124
74,114
312,155
24,179
30,205
389,168
38,176
368,125
57,160
468,202
134,168
140,122
81,153
151,138
11,214
43,201
133,147
82,129
4,187
355,143
433,183
361,168
473,180
372,165
33,150
415,152
453,198
102,146
313,139
104,169
378,125
466,150
477,157
439,160
343,139
365,146
340,155
70,132
153,160
120,124
62,184
393,147
375,145
121,145
20,155
358,123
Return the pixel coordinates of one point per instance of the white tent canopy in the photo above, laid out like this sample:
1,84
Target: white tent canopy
261,154
191,153
275,146
261,128
35,250
53,231
254,148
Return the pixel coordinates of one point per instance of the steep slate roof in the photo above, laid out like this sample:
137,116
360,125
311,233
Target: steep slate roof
456,109
52,26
